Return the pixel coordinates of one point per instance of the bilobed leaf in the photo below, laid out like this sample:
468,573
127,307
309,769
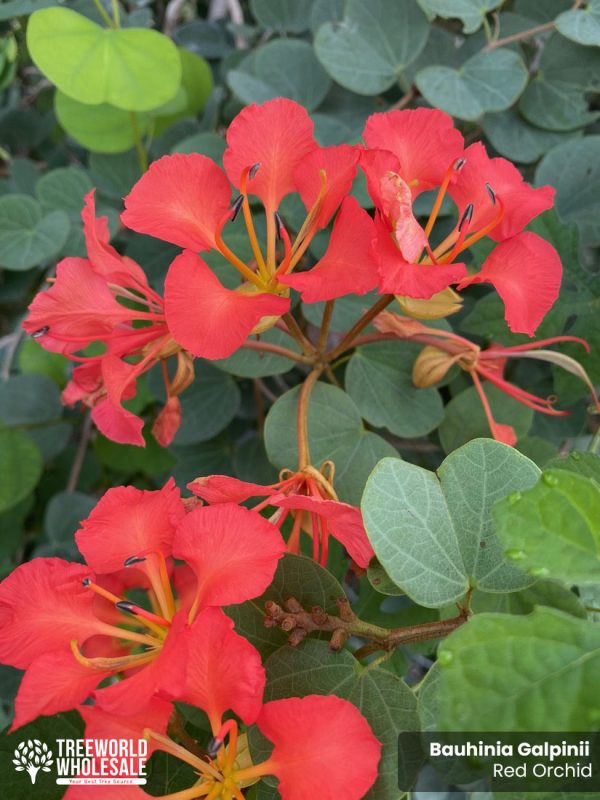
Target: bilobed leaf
27,235
259,364
518,673
379,380
64,188
387,703
470,12
488,81
573,168
63,515
282,68
581,25
369,49
298,577
555,98
20,465
465,418
515,138
283,16
553,529
134,69
335,433
434,535
101,128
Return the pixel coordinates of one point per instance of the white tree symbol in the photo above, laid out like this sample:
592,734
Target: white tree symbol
32,756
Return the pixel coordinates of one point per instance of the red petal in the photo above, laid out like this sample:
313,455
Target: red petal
376,164
54,682
78,305
43,606
128,521
223,670
348,266
278,135
233,551
423,139
118,424
324,748
105,260
206,318
344,522
520,201
101,725
396,205
339,164
526,272
410,280
164,677
181,199
223,489
105,792
167,422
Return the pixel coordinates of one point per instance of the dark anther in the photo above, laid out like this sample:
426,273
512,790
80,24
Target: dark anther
459,164
213,747
491,193
236,206
278,224
129,562
125,605
86,581
466,217
253,170
40,332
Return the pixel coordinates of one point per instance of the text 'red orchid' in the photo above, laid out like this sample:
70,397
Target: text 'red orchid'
106,298
309,498
71,626
186,200
414,151
444,349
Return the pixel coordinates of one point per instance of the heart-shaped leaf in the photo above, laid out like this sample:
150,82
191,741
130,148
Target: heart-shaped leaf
27,235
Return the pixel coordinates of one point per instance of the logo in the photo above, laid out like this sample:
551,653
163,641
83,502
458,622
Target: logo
31,757
85,762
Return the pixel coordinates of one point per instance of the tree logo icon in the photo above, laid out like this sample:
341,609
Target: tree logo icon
31,757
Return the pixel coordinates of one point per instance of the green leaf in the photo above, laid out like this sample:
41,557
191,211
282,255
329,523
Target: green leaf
581,25
573,168
387,703
553,530
516,139
33,358
368,51
555,98
64,188
128,459
20,465
489,81
134,69
470,12
18,8
28,236
335,432
101,128
434,536
206,458
282,16
298,577
114,175
29,400
582,463
379,380
541,593
196,86
282,68
208,144
64,514
465,418
521,673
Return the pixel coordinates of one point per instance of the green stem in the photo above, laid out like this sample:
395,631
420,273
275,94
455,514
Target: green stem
362,323
139,147
116,13
594,445
103,14
302,417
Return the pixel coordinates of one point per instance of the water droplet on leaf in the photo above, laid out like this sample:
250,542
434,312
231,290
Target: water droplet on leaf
550,479
516,555
539,572
514,498
444,658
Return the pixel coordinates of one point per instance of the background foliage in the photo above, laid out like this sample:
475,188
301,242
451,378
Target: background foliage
522,75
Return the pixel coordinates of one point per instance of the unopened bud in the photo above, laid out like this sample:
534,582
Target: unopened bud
431,366
441,305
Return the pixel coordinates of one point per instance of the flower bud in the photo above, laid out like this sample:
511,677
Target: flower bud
441,305
430,366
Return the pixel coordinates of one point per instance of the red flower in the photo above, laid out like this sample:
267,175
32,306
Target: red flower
70,626
185,199
309,498
413,151
445,349
86,305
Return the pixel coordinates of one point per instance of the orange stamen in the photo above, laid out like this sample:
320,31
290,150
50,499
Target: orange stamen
169,746
454,167
310,225
227,253
118,664
250,224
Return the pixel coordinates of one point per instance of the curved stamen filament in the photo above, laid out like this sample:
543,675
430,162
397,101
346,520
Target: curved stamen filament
127,635
294,540
452,169
153,563
250,224
475,237
287,245
169,746
310,225
116,664
227,253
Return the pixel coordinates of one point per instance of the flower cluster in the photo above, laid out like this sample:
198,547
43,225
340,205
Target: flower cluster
105,300
78,633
